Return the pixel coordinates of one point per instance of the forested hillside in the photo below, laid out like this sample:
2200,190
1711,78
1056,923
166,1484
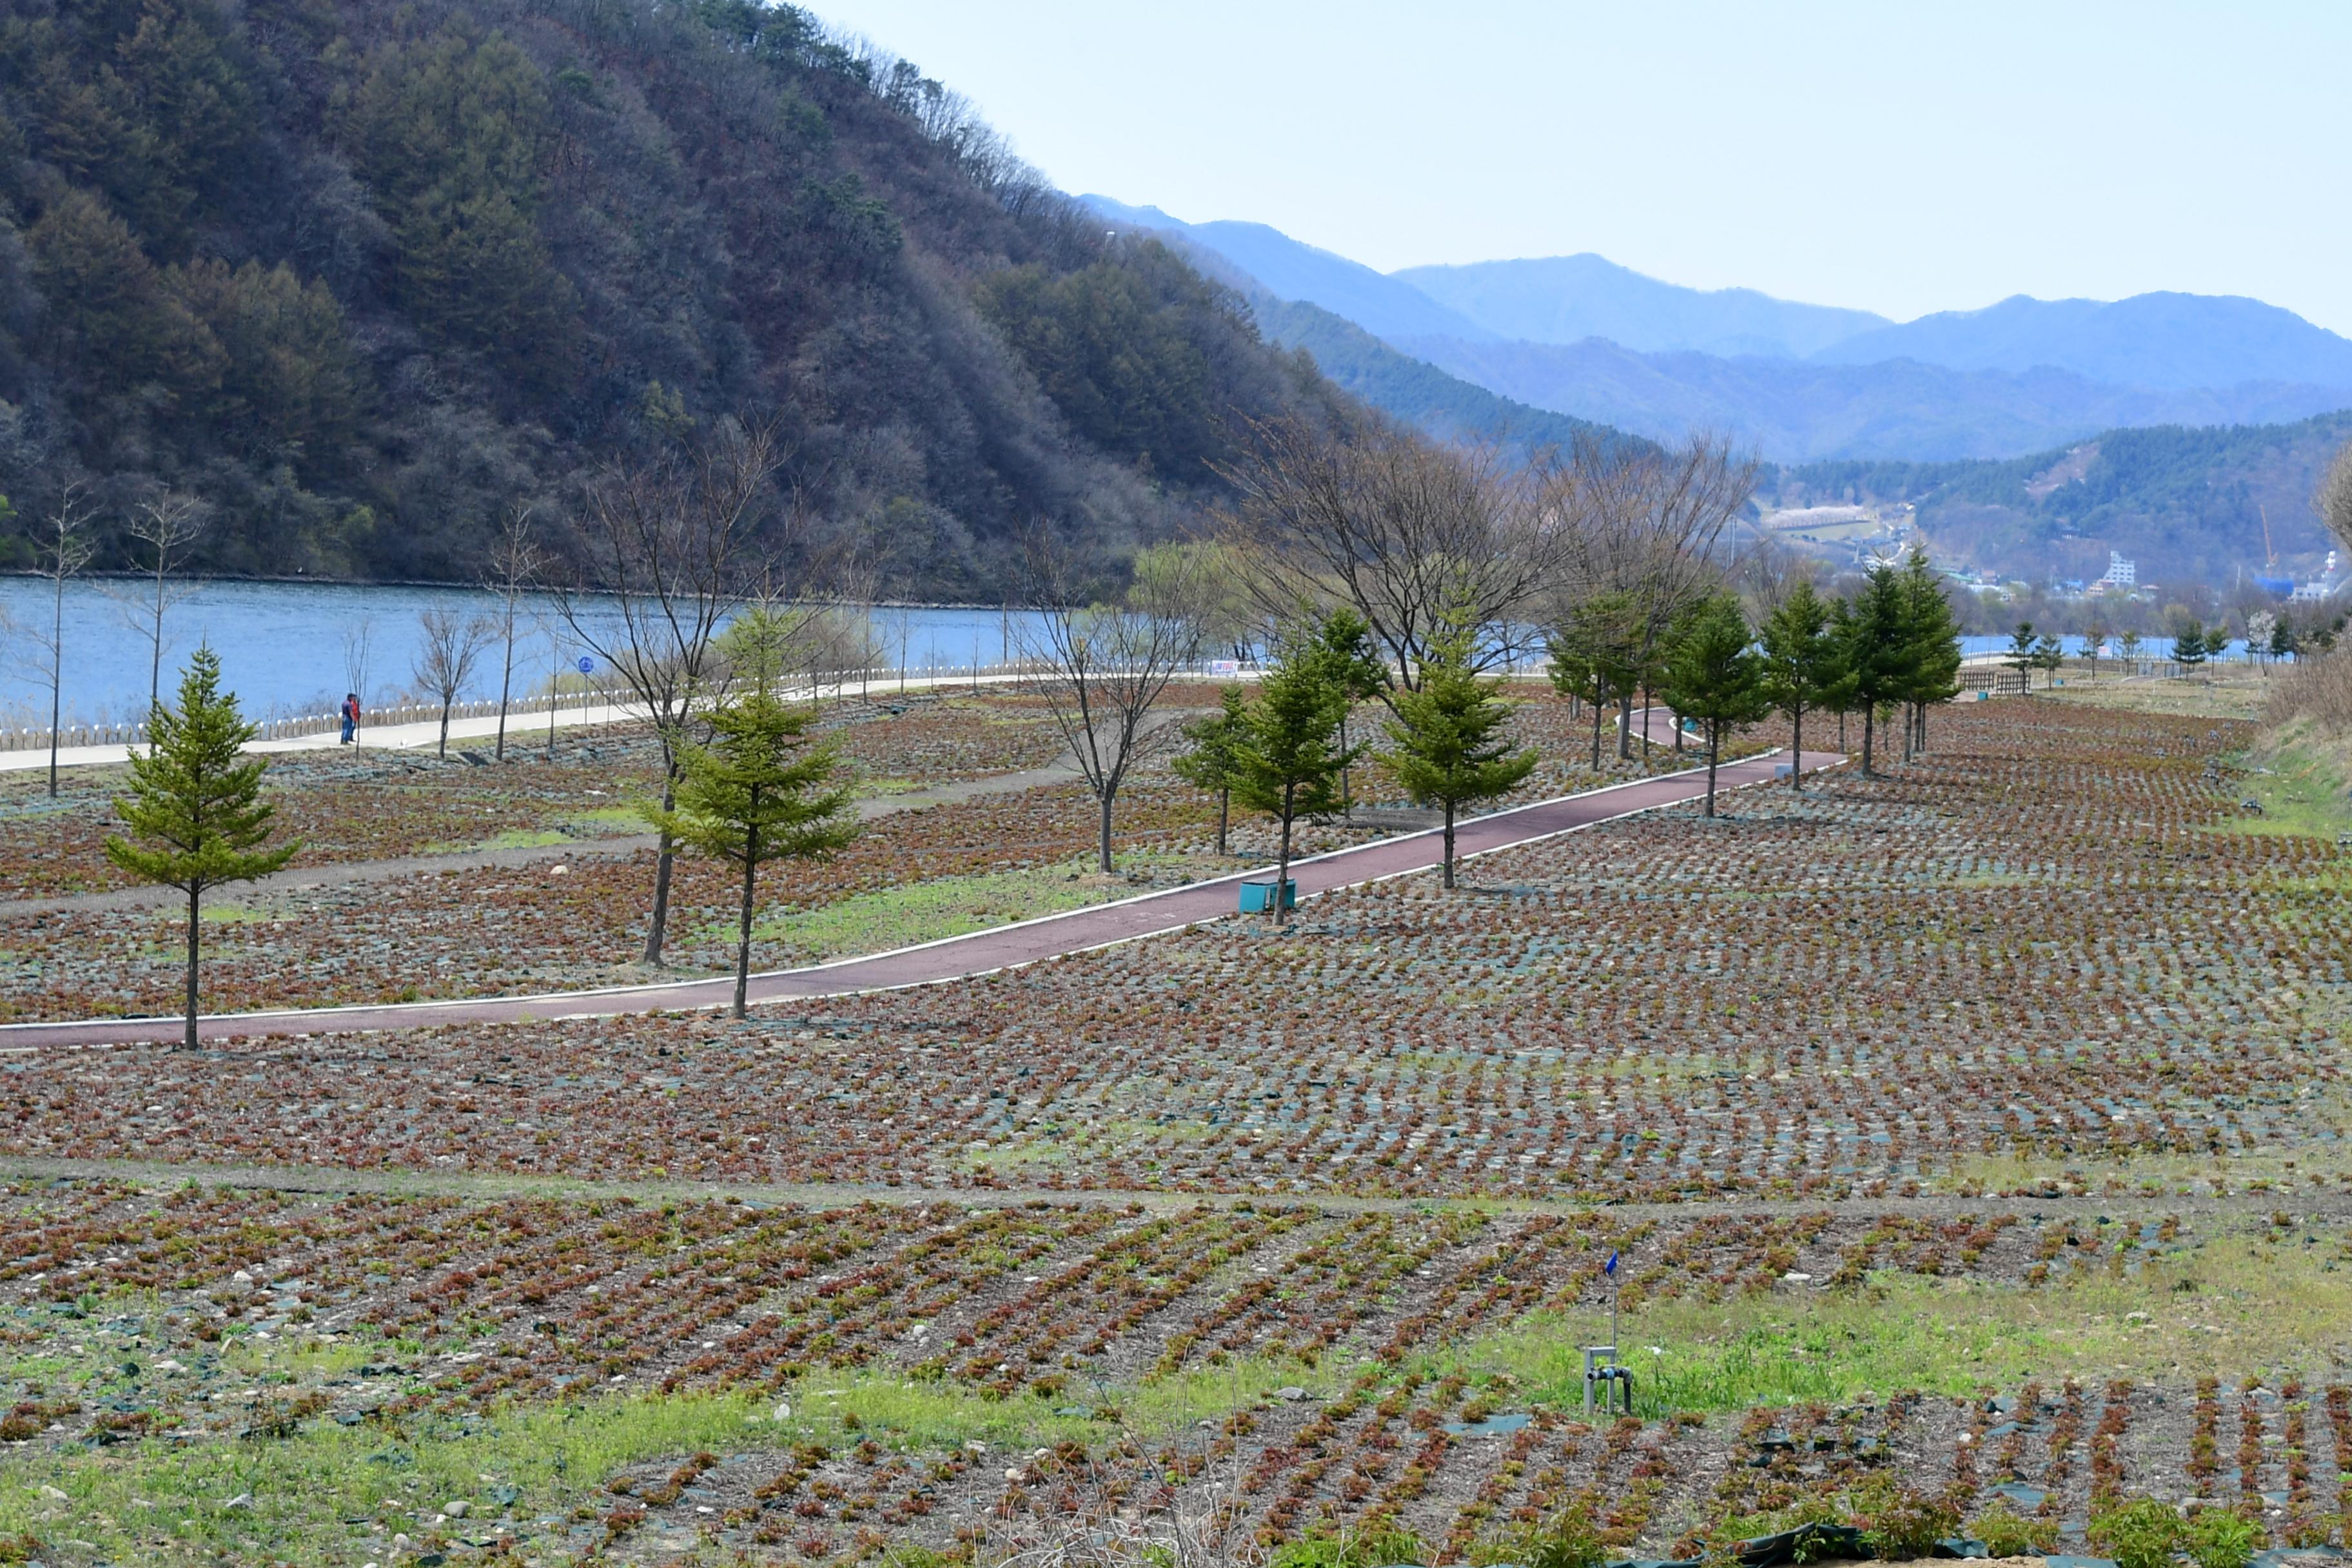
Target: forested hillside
2185,503
1413,389
363,276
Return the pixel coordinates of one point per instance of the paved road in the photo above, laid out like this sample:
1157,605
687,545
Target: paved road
980,953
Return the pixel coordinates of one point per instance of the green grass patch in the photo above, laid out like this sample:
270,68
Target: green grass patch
234,915
887,785
624,818
331,1494
2227,691
2300,786
524,839
942,907
2230,1305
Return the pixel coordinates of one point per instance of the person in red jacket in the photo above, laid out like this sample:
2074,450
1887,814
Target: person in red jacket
350,719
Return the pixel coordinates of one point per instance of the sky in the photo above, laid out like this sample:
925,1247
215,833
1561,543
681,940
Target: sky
1895,156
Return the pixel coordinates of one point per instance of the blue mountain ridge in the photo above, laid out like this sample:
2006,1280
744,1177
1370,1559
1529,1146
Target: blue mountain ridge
1289,270
1582,336
1567,299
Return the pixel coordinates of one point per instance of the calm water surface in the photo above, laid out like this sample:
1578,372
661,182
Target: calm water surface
283,646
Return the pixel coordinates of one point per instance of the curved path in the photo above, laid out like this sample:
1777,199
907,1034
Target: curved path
961,957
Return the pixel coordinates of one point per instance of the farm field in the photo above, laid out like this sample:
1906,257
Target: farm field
553,1377
1973,1131
2221,691
480,927
367,804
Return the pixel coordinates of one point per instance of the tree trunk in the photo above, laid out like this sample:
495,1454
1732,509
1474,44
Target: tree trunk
661,875
1282,863
743,931
441,751
1107,799
1347,799
155,664
195,941
57,683
1449,845
1869,718
1645,716
1596,736
1714,749
506,689
1224,803
1678,736
1797,734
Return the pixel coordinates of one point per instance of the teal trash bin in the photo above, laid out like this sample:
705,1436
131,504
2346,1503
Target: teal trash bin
1258,897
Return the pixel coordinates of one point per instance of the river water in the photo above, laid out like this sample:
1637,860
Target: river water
283,646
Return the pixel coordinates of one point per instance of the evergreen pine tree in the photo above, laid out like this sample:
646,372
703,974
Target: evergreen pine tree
1875,650
1450,752
1712,674
2021,656
755,794
194,810
1287,764
1804,668
1208,763
1931,633
1356,665
1595,655
2189,643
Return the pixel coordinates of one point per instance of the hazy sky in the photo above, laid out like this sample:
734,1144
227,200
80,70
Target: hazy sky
1895,156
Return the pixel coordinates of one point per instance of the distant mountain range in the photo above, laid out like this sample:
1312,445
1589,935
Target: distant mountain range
1804,411
1567,299
2169,341
1585,337
1288,269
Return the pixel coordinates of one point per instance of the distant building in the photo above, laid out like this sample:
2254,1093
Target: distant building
2324,587
2121,573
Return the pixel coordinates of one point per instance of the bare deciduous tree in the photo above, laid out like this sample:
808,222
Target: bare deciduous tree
2333,501
663,540
64,548
1106,664
514,565
1415,535
449,644
166,525
1767,572
1651,523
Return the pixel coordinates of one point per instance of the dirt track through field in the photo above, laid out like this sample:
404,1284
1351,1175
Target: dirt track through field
980,953
2313,1207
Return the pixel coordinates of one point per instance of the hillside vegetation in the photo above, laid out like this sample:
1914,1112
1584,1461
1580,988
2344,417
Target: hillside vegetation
1413,390
361,277
1799,410
2185,503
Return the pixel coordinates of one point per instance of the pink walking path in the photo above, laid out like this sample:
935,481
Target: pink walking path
962,957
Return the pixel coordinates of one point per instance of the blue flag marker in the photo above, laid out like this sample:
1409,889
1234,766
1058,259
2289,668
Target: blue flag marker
1610,1268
